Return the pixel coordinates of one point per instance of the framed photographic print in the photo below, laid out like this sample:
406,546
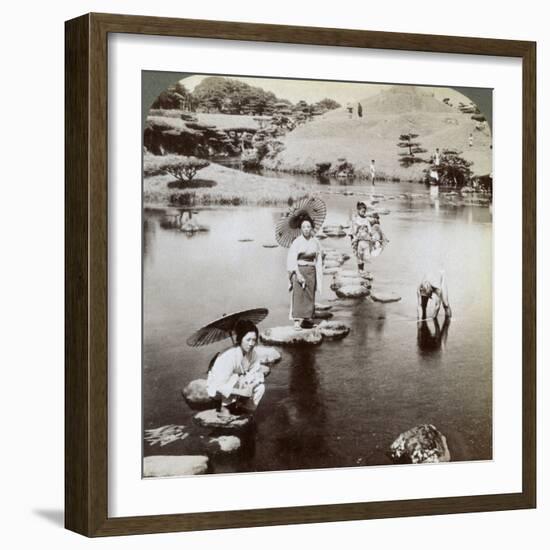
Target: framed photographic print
300,275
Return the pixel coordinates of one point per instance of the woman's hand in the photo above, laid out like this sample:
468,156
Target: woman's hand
300,278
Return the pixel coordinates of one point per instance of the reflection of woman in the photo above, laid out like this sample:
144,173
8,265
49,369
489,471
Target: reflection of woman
305,270
429,340
236,378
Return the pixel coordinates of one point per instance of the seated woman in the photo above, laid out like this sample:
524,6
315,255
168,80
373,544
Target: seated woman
436,291
236,379
305,270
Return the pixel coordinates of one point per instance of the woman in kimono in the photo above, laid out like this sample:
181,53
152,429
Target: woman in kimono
360,234
305,271
236,378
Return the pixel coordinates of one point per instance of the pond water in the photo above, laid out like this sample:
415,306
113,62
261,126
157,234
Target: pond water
340,404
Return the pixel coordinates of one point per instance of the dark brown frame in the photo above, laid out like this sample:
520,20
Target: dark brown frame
86,224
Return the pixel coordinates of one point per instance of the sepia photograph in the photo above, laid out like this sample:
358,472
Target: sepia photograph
317,264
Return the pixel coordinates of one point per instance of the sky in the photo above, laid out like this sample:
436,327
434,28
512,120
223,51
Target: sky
308,90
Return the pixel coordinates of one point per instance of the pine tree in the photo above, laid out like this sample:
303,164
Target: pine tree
410,157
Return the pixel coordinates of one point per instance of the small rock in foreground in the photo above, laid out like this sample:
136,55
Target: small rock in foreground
421,444
166,466
196,395
211,419
224,444
322,307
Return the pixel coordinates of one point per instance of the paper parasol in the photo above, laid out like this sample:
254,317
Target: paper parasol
222,328
288,227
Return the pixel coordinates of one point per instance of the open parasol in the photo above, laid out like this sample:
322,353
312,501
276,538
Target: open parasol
222,328
288,227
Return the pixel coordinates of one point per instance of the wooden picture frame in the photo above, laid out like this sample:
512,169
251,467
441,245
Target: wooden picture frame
86,295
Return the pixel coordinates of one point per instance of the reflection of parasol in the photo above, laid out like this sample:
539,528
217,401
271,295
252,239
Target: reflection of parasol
222,328
288,227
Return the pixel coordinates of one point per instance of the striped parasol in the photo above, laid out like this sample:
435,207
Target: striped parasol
223,328
288,227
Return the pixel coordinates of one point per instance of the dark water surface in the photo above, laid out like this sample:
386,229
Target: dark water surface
340,403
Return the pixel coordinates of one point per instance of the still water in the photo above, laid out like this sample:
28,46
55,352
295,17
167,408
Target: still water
341,403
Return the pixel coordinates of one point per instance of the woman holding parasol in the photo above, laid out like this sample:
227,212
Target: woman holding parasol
235,378
305,258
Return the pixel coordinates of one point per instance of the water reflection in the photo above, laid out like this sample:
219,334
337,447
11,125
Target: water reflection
429,340
303,416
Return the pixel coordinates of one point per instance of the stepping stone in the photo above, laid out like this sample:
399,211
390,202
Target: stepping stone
320,236
384,297
211,419
224,444
196,396
331,263
333,330
322,315
421,444
339,282
245,240
167,466
322,307
352,291
270,245
267,355
288,335
383,212
331,270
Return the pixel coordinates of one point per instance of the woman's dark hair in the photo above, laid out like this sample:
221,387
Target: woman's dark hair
306,218
242,328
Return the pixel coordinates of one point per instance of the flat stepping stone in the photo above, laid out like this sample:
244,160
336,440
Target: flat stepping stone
421,444
333,330
331,263
384,297
339,282
190,227
223,444
331,270
322,307
340,233
321,236
289,336
267,355
196,395
270,245
168,466
322,315
212,419
352,291
383,212
245,240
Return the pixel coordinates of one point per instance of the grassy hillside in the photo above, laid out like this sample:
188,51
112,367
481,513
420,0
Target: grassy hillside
374,136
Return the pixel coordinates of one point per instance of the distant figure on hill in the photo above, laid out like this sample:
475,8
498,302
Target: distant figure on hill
471,140
437,157
359,110
372,171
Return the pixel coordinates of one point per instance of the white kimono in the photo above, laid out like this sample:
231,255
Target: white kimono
232,369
